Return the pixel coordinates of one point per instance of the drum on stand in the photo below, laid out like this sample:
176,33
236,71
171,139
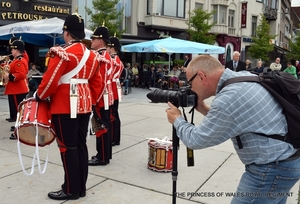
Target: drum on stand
160,155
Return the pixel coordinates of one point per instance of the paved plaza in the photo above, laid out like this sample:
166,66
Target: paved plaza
126,180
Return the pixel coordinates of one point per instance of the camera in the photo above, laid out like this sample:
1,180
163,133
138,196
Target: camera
184,97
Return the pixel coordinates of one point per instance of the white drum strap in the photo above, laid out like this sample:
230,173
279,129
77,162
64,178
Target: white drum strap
38,153
21,161
36,156
20,154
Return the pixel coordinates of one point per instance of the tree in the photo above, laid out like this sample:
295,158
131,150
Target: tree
199,26
106,14
294,45
261,45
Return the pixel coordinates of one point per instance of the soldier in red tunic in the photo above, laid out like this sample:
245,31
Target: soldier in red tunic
17,83
14,38
100,39
73,83
114,48
26,57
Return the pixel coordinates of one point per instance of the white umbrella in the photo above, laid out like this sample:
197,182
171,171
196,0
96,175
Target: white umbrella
46,32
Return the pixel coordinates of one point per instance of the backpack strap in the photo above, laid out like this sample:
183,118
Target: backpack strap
282,88
239,142
249,79
241,79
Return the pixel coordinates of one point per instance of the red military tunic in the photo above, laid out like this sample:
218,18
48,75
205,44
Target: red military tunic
62,62
105,71
18,70
118,68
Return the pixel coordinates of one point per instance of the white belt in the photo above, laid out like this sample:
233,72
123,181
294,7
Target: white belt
78,81
108,81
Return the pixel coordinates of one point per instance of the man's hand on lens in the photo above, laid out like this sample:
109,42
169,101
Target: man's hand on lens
172,113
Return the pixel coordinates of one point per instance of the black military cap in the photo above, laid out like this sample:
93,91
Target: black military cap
101,33
115,43
74,24
12,39
19,45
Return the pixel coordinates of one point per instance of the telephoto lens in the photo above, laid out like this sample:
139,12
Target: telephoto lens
184,97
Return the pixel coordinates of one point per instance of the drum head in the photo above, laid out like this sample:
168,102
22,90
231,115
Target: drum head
27,135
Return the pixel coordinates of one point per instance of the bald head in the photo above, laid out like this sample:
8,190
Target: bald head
205,63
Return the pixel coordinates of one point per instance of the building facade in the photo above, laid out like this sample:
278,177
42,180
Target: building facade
236,22
13,11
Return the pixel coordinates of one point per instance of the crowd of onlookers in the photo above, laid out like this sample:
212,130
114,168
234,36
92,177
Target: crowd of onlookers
151,76
174,77
158,76
237,65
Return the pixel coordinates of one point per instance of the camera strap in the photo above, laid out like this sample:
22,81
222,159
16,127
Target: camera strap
190,152
192,111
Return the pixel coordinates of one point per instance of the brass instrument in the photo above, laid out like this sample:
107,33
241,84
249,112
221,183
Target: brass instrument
4,68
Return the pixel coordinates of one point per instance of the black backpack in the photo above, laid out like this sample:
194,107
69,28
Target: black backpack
285,88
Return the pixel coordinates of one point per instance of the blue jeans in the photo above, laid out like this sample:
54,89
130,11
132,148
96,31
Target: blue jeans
126,82
268,183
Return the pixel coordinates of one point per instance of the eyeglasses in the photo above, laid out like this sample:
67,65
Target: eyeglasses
191,79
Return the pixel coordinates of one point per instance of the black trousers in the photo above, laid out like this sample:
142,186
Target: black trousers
13,102
71,138
103,143
116,124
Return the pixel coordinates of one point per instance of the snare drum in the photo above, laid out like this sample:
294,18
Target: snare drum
160,156
34,119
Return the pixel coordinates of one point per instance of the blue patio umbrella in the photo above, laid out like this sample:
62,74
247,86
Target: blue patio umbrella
173,45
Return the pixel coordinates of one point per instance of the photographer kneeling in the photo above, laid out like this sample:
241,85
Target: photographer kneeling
242,112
